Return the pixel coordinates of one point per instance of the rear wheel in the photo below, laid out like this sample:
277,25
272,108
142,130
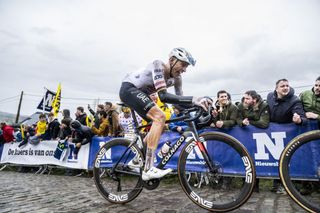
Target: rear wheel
301,178
225,187
117,181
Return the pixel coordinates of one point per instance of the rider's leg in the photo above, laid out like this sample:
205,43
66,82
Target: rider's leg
158,122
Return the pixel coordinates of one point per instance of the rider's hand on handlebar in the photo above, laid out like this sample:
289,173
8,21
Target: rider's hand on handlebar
202,101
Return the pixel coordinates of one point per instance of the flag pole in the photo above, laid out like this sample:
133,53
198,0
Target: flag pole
44,100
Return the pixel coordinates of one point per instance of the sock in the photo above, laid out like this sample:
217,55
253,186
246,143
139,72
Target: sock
149,159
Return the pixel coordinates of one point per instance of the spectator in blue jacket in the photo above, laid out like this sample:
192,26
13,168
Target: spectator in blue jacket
178,126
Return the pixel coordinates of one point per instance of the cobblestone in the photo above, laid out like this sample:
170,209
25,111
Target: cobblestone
26,192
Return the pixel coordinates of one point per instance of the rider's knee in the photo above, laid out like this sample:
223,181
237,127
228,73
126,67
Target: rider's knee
160,118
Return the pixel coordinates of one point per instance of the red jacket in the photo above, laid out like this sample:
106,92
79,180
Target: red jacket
7,133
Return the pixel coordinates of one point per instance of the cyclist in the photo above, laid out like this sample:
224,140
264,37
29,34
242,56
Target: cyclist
157,77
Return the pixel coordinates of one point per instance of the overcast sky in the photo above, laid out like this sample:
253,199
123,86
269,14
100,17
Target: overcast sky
89,46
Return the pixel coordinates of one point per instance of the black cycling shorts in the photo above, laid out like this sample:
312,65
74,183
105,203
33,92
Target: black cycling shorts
136,99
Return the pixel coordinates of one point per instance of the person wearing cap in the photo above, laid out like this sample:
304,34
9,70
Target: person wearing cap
157,77
126,119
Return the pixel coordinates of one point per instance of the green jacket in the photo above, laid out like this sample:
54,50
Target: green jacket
228,115
310,102
258,116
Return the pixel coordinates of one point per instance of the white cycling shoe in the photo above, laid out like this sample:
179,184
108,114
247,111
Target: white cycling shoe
155,173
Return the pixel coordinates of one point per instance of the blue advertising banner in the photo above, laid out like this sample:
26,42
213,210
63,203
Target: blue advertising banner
264,145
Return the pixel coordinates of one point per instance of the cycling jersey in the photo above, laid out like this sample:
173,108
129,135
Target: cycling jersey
137,86
151,79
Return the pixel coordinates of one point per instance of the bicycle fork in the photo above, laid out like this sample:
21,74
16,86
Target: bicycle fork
200,144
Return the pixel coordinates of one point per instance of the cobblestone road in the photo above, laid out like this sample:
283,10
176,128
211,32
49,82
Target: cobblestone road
26,192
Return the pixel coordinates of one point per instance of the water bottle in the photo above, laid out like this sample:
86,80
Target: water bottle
164,150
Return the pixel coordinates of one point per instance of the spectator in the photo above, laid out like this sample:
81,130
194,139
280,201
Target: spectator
41,126
103,129
81,116
17,135
113,118
28,131
178,126
225,114
311,101
125,119
65,130
311,104
53,127
253,110
66,115
100,108
82,136
285,107
7,133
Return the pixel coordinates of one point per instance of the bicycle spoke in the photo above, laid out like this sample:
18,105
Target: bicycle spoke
223,187
114,178
302,178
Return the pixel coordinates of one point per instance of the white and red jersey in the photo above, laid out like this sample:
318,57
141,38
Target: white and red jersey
125,122
151,79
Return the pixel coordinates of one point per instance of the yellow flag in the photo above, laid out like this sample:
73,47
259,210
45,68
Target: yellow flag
22,131
56,101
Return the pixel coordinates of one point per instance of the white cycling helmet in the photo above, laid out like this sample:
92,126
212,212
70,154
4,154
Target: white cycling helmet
183,55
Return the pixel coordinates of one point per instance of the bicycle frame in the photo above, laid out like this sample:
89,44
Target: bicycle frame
174,148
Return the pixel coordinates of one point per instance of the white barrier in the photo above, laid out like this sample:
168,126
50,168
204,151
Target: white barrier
42,154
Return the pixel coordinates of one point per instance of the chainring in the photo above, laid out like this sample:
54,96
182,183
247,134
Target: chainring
151,184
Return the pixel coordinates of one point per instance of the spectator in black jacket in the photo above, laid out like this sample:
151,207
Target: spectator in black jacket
81,116
285,107
82,136
65,129
53,127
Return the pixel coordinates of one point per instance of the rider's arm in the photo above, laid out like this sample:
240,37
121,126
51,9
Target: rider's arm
173,99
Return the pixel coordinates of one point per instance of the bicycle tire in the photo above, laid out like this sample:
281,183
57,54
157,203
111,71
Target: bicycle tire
124,183
288,154
212,195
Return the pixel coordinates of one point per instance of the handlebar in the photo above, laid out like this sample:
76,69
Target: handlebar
187,116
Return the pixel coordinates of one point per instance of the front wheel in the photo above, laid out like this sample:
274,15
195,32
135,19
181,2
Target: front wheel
299,170
227,182
118,180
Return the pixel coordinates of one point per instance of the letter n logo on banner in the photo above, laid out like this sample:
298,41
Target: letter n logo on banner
264,142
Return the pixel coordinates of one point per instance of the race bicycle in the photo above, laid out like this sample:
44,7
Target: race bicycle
224,164
297,174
